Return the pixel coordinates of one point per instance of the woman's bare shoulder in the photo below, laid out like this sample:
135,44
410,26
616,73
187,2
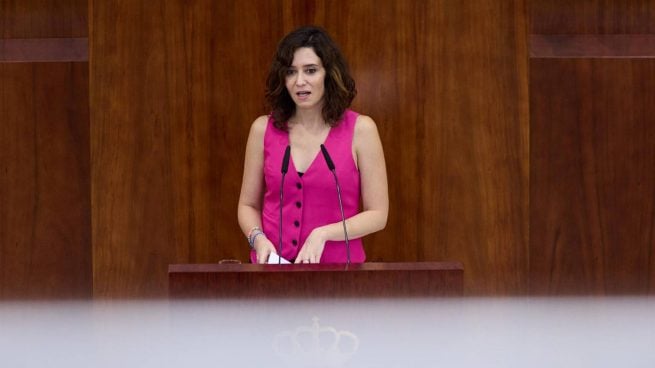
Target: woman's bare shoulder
365,126
258,127
260,123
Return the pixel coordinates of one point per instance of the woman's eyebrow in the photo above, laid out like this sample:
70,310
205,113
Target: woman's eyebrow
304,66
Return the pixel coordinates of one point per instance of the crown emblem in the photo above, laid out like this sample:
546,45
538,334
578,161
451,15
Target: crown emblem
315,346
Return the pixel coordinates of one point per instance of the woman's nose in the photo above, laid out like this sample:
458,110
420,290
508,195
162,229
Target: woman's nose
300,79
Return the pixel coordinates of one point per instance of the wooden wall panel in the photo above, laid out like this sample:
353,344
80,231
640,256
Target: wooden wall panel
592,176
592,157
45,209
592,16
45,228
43,18
174,91
175,86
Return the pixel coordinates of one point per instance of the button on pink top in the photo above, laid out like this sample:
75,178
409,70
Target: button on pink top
311,201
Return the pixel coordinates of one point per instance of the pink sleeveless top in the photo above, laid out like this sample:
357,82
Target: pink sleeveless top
311,201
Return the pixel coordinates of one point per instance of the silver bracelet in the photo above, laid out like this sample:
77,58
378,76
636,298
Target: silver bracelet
253,236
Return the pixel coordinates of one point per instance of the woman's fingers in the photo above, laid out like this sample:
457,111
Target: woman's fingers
307,258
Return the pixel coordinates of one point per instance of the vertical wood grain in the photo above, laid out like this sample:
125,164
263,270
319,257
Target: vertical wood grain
45,230
473,167
593,176
175,87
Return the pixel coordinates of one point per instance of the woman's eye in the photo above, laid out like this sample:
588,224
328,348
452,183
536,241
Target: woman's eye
290,72
311,71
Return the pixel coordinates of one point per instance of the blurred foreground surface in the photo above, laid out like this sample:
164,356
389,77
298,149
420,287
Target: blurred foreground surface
558,332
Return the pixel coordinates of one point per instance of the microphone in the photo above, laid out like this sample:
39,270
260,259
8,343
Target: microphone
328,159
330,164
285,160
285,168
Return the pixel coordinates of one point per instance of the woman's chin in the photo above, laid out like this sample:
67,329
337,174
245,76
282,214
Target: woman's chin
306,104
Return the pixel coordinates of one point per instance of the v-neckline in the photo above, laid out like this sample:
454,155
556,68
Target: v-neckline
311,164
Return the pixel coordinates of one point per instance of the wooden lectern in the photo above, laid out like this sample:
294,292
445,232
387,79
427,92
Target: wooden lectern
366,280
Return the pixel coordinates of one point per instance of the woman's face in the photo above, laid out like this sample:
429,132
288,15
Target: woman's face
305,79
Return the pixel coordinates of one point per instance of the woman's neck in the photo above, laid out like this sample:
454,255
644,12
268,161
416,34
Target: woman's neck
310,118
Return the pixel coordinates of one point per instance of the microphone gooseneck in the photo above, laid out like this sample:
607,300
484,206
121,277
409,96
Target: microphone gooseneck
330,164
285,168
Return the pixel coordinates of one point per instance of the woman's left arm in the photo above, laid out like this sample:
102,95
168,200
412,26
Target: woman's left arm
375,195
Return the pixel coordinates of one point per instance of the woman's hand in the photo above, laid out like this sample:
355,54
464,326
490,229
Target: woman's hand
263,248
313,248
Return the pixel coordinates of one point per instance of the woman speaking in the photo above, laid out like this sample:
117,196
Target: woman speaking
309,90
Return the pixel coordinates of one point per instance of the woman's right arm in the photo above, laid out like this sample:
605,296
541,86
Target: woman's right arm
252,189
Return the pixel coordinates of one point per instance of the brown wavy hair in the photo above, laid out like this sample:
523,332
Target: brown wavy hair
339,85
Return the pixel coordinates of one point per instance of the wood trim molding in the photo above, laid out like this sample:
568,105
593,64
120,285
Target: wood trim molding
34,50
592,46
